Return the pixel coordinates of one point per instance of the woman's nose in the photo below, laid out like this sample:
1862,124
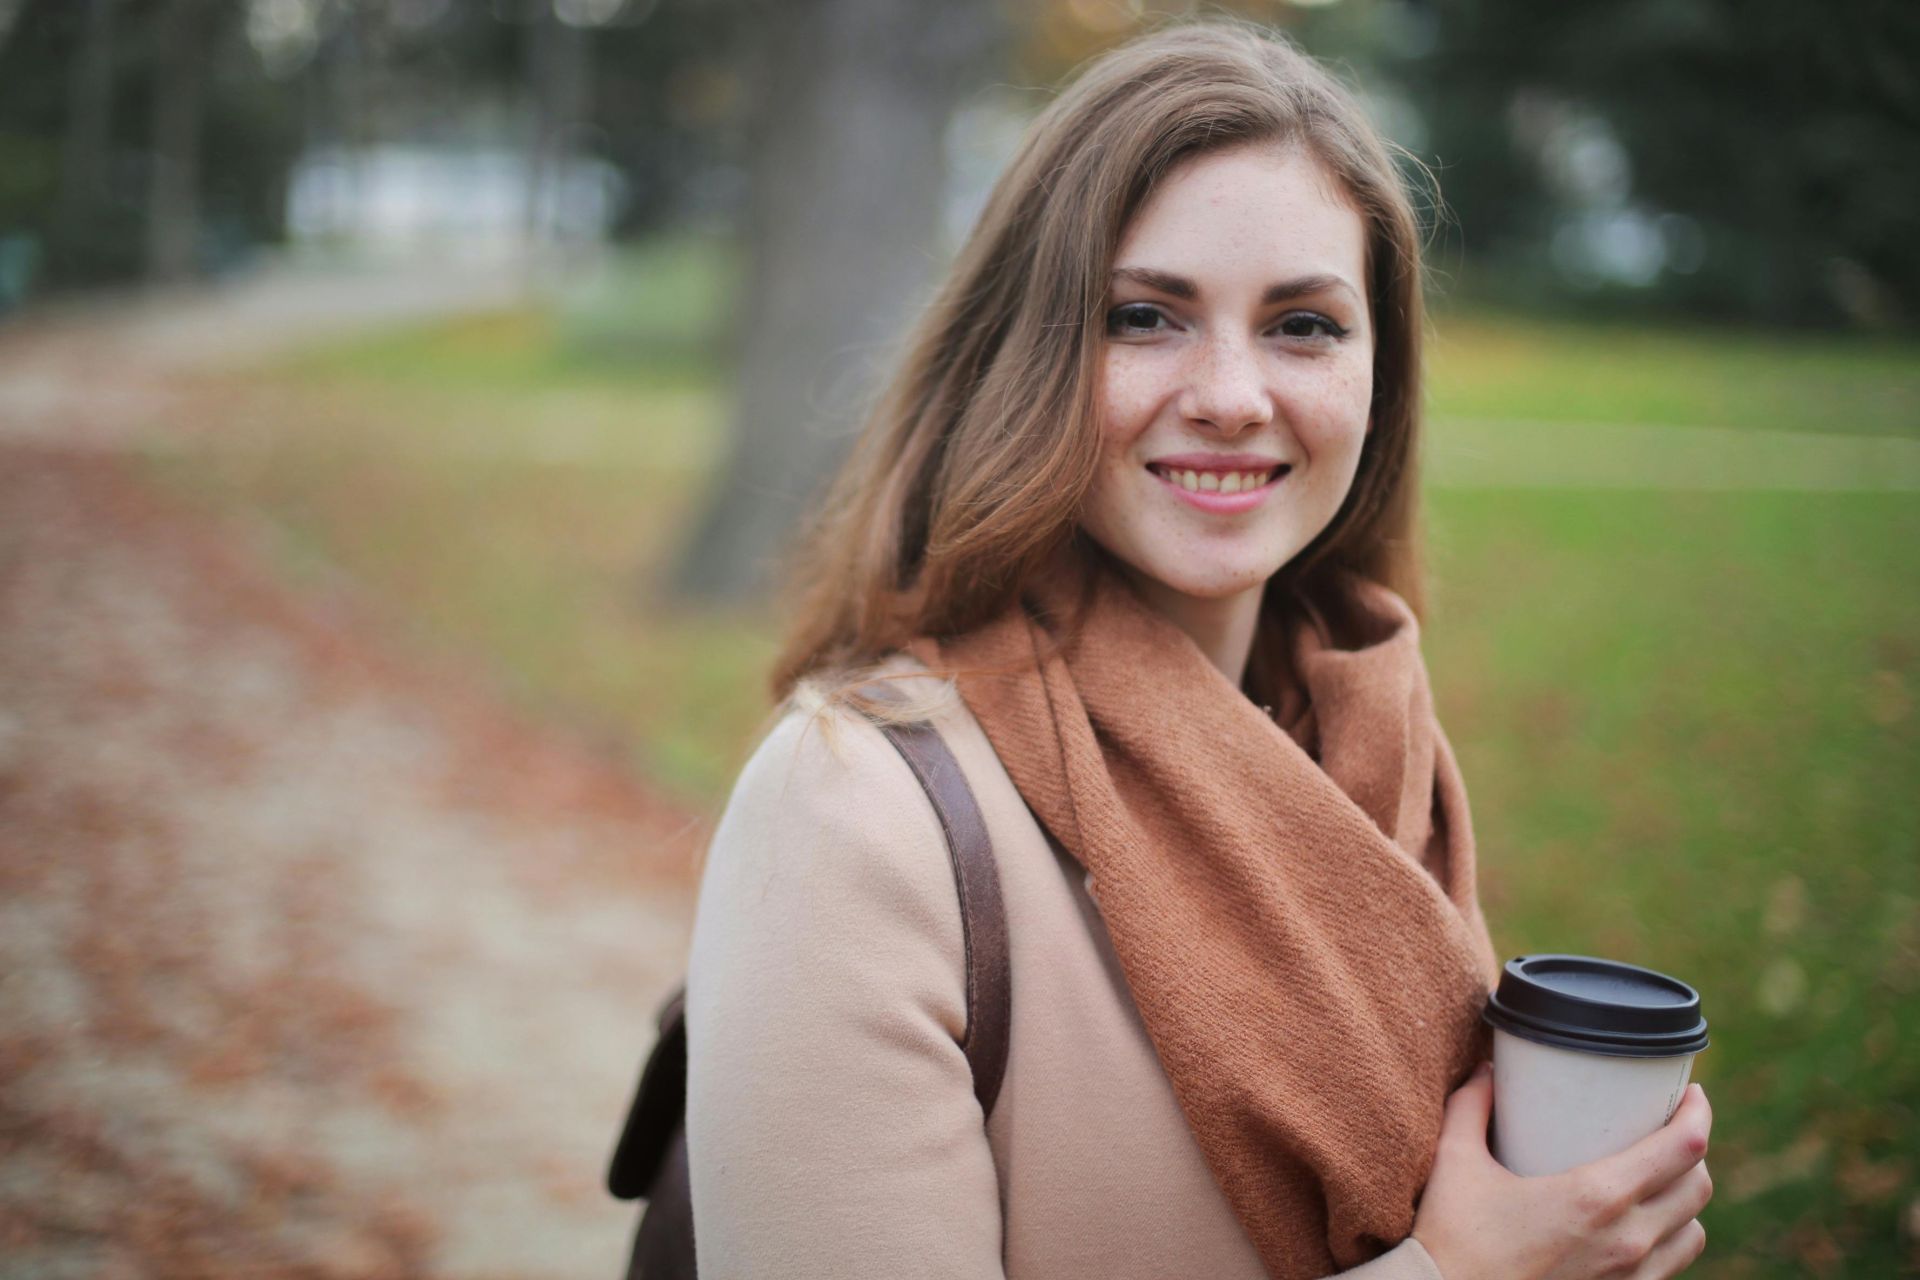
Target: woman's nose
1224,389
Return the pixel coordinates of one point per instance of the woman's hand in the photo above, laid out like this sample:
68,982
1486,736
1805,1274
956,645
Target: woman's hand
1629,1215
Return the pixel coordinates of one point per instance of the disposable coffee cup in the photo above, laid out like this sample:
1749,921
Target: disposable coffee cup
1589,1057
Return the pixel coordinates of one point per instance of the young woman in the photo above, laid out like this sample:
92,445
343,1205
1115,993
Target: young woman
1133,529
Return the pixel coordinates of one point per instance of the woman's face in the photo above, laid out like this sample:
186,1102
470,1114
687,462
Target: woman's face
1237,372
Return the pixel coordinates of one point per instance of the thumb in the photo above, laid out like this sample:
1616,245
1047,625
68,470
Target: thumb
1469,1107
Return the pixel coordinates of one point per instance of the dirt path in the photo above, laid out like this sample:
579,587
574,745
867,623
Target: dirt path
311,964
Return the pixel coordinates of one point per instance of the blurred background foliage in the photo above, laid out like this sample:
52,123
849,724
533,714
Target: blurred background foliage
1751,161
1674,409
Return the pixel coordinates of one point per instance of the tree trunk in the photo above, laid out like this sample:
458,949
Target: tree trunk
173,195
848,181
83,155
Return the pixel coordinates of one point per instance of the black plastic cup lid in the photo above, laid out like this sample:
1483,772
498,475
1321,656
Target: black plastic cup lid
1597,1006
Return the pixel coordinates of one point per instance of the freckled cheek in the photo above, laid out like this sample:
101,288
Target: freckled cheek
1129,392
1330,413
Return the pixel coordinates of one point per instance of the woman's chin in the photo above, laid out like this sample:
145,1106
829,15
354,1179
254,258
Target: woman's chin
1214,582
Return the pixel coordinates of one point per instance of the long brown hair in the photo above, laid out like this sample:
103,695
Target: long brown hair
972,467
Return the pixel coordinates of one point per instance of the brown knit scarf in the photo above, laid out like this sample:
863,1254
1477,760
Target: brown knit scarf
1294,909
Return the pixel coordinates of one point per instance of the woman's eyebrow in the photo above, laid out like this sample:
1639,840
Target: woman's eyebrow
1159,281
1181,287
1300,286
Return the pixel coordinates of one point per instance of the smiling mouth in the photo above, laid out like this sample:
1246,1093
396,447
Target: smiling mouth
1218,481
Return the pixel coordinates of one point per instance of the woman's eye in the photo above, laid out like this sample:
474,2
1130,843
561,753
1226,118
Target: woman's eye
1134,317
1310,324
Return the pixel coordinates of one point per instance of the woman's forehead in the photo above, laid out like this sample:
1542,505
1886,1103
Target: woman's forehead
1230,216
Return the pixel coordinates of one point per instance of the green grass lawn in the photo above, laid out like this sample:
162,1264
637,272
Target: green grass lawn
1490,366
1688,725
1687,718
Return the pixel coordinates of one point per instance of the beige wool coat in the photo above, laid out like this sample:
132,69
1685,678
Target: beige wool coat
831,1123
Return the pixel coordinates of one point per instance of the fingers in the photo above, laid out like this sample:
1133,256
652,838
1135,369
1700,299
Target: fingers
1650,1164
1683,1199
1675,1253
1703,1109
1468,1109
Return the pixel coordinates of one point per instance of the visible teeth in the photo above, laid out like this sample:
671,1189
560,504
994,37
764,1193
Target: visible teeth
1212,481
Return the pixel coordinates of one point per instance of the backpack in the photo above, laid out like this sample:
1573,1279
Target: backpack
650,1160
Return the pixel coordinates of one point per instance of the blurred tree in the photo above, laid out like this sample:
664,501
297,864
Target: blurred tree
60,176
668,107
99,193
1785,135
182,43
850,108
83,156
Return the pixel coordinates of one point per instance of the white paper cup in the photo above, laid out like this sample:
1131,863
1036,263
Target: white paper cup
1589,1057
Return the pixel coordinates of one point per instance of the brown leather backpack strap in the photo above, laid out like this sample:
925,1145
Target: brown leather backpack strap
650,1160
983,913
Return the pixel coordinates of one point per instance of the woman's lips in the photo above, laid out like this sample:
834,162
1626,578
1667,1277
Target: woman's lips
1176,479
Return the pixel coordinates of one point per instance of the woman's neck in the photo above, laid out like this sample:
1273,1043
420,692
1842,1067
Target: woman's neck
1223,628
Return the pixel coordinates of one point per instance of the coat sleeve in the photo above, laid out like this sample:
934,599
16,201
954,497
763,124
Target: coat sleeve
831,1124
